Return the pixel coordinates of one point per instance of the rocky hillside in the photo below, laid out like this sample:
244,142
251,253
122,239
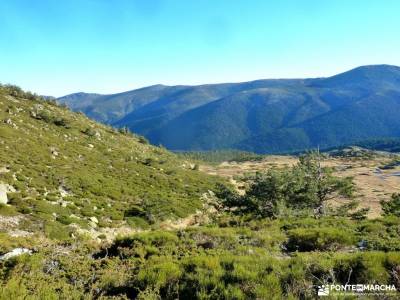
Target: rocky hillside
61,172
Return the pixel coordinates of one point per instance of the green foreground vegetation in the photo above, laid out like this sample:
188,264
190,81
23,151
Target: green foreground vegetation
280,240
232,259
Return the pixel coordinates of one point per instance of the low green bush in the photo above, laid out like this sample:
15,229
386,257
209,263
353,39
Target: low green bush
319,239
392,207
137,222
7,210
56,231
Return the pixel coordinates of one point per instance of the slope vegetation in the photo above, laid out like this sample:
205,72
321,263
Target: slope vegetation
59,169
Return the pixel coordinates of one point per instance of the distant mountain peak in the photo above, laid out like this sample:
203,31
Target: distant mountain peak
80,94
360,77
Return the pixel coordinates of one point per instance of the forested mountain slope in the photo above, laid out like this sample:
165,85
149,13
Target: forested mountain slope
263,116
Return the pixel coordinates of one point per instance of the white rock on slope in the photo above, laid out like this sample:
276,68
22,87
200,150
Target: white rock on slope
4,189
3,194
15,252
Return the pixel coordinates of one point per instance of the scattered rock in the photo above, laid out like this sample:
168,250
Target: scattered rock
8,223
94,220
4,170
19,233
53,151
33,114
38,106
51,266
63,191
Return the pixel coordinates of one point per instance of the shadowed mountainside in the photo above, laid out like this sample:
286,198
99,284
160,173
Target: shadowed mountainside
263,116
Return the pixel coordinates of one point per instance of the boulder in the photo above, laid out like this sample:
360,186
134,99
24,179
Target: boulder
3,193
15,252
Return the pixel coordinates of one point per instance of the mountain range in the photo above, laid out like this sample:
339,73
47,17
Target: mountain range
262,116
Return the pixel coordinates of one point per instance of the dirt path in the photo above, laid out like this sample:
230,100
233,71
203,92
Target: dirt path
201,216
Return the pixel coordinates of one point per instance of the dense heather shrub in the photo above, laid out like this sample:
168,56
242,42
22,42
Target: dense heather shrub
392,207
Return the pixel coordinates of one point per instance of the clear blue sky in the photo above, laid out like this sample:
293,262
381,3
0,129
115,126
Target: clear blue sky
56,47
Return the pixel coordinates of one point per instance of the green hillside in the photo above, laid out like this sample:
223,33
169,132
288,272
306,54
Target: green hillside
70,182
279,238
63,168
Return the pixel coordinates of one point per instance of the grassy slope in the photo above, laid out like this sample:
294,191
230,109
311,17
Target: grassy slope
107,174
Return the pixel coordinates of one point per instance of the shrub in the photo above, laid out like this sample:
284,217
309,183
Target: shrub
137,222
318,239
156,238
56,231
148,161
380,234
61,122
392,207
160,275
63,219
15,199
45,116
143,140
24,210
124,130
89,132
7,210
135,211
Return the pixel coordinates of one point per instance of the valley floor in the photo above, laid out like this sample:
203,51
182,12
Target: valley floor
373,182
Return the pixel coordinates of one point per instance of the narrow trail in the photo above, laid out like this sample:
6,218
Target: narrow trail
199,217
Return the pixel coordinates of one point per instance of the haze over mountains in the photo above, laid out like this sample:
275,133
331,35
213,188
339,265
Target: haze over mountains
263,116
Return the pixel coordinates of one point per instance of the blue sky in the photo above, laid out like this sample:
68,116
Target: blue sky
58,47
